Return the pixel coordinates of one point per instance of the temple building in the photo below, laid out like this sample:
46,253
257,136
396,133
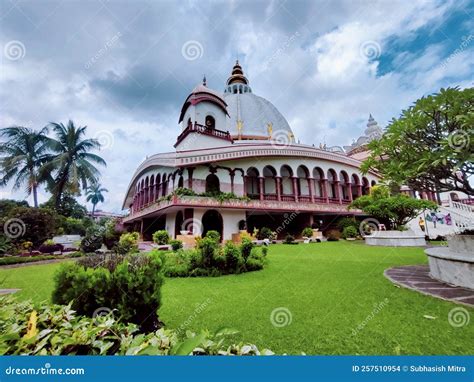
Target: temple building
237,165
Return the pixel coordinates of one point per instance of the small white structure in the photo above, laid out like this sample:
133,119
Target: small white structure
454,264
395,239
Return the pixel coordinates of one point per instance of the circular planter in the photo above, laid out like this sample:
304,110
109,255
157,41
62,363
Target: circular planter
453,264
395,239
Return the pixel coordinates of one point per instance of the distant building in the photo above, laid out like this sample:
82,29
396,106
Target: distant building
99,214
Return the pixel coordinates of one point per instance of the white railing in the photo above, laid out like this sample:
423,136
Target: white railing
461,206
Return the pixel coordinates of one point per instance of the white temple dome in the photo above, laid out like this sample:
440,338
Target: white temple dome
252,116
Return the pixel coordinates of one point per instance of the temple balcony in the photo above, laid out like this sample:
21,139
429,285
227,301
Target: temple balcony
269,203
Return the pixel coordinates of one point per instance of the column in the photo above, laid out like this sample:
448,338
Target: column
232,175
359,190
260,186
190,177
295,188
311,189
349,191
278,187
324,187
337,185
245,185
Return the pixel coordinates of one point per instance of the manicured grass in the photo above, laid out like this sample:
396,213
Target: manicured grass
329,288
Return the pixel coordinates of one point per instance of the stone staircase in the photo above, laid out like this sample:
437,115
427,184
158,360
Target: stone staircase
462,217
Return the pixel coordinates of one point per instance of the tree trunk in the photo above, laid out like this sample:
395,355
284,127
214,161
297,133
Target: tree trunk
93,210
35,195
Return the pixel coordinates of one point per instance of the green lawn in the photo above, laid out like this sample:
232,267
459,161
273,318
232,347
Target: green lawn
329,288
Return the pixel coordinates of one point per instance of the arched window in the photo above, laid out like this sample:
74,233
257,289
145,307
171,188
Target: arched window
318,176
332,178
210,122
355,186
344,185
303,183
251,183
365,186
212,184
286,180
269,185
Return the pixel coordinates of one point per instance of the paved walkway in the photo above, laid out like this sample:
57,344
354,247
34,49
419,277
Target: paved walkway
41,262
416,277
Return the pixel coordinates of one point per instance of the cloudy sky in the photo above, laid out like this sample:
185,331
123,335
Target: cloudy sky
123,68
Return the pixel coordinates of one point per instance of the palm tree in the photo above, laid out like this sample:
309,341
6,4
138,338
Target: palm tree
95,195
22,156
74,163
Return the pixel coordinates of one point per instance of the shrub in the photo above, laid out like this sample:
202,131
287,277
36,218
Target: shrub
129,284
73,226
214,235
219,260
264,251
246,248
111,234
60,331
176,244
349,232
289,239
93,240
233,257
161,237
307,232
207,247
49,246
347,222
333,235
128,243
264,233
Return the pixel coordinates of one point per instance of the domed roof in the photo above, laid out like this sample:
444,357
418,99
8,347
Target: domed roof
251,116
202,93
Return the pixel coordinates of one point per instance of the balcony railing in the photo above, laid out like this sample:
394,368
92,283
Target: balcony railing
287,198
270,197
204,130
304,198
334,200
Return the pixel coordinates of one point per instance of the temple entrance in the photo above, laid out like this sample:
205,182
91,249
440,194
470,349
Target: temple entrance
212,221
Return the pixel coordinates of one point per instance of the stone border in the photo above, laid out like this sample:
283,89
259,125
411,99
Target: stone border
417,278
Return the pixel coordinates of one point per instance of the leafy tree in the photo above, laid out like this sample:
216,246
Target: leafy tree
32,224
398,210
67,206
74,163
95,195
22,156
431,145
6,205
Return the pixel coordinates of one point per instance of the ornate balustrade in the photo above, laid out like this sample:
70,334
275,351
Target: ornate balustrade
208,202
204,130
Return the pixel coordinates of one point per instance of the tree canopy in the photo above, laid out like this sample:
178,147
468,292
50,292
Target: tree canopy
398,210
431,145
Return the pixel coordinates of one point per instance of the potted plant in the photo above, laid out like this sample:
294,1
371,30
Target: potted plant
349,233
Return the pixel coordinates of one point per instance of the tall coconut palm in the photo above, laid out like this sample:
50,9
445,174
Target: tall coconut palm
95,195
22,156
73,163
